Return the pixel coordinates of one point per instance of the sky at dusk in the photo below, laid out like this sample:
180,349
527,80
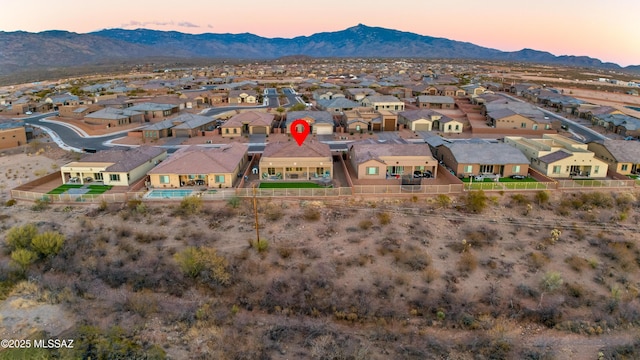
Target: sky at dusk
606,30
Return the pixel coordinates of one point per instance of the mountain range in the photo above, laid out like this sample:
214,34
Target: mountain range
23,51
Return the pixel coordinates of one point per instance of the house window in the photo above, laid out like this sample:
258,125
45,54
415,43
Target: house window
98,176
596,169
226,131
235,131
535,127
523,125
271,171
624,167
372,170
556,169
396,170
468,169
114,177
449,128
516,169
357,127
164,179
219,179
486,169
457,127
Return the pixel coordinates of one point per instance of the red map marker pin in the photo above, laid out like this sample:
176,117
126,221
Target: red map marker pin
299,130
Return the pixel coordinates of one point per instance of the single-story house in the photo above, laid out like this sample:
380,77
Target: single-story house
190,125
247,123
158,130
557,156
376,160
243,97
421,120
288,161
114,117
383,102
337,105
114,167
155,112
320,122
622,156
204,166
476,158
435,102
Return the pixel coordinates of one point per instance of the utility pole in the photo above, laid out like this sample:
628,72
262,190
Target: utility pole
255,211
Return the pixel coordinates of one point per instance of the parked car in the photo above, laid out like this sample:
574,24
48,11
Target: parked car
518,176
28,113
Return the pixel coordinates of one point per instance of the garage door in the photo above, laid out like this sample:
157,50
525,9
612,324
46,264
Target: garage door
421,127
323,130
259,129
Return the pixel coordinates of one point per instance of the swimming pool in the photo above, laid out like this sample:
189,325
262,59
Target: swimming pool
168,193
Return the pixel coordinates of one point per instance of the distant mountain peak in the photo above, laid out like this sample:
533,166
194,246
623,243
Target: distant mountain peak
27,51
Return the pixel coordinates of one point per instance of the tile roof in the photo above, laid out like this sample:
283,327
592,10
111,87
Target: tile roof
164,124
486,153
253,118
124,160
202,160
191,121
435,99
366,151
113,114
555,156
290,149
151,107
338,103
624,151
320,117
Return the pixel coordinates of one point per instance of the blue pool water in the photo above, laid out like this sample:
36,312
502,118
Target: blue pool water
636,108
168,193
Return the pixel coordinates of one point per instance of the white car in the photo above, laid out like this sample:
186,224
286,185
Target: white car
28,113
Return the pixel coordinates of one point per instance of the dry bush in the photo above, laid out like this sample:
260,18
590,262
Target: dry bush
475,201
623,253
273,212
285,252
430,274
149,237
467,262
143,303
412,259
577,263
311,214
384,218
365,224
536,260
520,199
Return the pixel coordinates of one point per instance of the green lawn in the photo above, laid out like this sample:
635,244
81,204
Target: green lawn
93,189
502,179
290,185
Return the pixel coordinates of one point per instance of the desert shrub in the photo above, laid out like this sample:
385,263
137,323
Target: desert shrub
92,343
273,213
203,262
47,243
234,202
142,303
551,281
623,253
576,263
311,214
365,224
537,260
467,262
149,237
527,291
190,205
23,258
542,197
444,201
19,237
41,204
261,245
481,237
430,274
597,199
413,259
384,218
624,201
475,201
520,199
285,252
10,202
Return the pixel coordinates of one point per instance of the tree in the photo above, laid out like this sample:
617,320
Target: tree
19,237
298,107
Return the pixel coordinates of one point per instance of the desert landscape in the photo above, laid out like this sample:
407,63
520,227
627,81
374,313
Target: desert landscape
481,276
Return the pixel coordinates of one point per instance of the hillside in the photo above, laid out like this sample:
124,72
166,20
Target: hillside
24,51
